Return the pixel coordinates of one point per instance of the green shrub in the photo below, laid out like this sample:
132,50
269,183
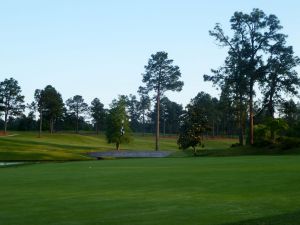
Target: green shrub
264,134
279,126
286,143
236,145
294,130
261,136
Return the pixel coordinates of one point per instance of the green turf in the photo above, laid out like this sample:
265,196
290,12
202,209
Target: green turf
69,146
261,190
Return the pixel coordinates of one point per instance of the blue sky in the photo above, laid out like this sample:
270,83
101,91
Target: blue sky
99,48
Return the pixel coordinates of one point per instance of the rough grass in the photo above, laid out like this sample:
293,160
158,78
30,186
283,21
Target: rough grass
248,190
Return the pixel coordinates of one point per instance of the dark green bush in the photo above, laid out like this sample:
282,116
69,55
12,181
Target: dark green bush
286,143
294,130
262,136
236,145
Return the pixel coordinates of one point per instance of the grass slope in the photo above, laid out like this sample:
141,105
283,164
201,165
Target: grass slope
68,146
250,190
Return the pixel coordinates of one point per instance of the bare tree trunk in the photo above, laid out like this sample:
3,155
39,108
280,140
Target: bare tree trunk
251,128
76,122
213,128
164,127
97,129
241,135
157,120
272,116
143,123
118,146
51,125
5,122
52,129
271,112
41,124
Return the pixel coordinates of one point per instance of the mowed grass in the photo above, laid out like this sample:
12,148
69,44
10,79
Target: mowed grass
248,190
69,146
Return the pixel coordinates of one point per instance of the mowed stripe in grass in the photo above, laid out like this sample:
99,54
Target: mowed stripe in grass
69,146
153,191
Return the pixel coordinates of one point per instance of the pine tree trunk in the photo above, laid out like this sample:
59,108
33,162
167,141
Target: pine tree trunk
97,129
157,120
77,123
164,127
143,123
271,112
51,125
241,135
5,122
251,114
41,124
241,139
213,128
272,116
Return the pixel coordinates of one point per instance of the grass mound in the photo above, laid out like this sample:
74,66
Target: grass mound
69,146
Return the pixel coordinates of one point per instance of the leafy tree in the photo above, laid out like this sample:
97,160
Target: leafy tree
77,106
233,83
276,126
160,76
67,120
253,34
163,114
194,124
98,113
170,113
209,107
23,122
226,116
11,100
265,133
51,105
132,106
174,112
118,130
30,121
143,105
281,77
38,105
289,111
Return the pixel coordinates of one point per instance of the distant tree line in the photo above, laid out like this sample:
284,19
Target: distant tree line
49,112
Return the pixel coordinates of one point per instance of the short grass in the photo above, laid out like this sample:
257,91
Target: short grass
69,146
248,190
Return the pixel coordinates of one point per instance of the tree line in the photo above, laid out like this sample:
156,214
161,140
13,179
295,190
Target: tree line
259,62
49,112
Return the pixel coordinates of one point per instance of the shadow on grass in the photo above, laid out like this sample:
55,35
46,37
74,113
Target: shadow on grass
292,218
24,156
247,150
